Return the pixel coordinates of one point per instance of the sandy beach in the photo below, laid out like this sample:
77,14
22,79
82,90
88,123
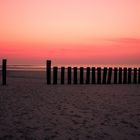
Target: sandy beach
32,110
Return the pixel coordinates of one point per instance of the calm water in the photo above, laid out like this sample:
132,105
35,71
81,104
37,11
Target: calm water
43,67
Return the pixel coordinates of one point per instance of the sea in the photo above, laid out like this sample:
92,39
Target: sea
43,67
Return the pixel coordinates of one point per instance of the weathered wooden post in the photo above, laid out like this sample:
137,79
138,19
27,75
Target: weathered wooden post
125,76
75,75
48,64
129,75
4,62
69,75
104,75
109,76
62,75
81,75
135,76
93,75
55,70
139,76
115,75
88,76
98,75
120,75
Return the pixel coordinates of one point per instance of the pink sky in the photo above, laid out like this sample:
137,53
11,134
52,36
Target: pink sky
70,31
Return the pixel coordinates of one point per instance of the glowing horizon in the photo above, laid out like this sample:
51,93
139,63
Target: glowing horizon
70,32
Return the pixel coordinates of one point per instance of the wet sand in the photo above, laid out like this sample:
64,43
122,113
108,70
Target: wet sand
32,110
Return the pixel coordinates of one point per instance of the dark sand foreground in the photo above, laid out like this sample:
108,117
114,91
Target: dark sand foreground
32,110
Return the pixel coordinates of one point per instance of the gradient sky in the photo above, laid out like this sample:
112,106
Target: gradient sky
70,31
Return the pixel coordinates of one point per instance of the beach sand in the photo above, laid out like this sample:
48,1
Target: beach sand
32,110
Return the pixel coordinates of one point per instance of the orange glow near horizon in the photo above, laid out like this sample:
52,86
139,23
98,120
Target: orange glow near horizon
70,32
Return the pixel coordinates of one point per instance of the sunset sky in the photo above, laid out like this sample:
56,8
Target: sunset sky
70,31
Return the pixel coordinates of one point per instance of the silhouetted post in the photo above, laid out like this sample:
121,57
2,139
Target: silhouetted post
109,76
48,71
62,75
120,75
81,75
125,76
104,75
129,75
98,75
75,75
55,70
88,76
69,75
4,61
135,76
115,75
139,77
93,75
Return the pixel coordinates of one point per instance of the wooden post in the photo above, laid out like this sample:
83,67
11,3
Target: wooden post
62,75
125,76
115,75
88,76
48,64
109,76
81,75
55,70
135,76
4,62
93,75
129,75
69,75
139,76
104,75
120,75
75,75
98,75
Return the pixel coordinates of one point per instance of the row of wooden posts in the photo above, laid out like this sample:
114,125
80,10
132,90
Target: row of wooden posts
121,75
